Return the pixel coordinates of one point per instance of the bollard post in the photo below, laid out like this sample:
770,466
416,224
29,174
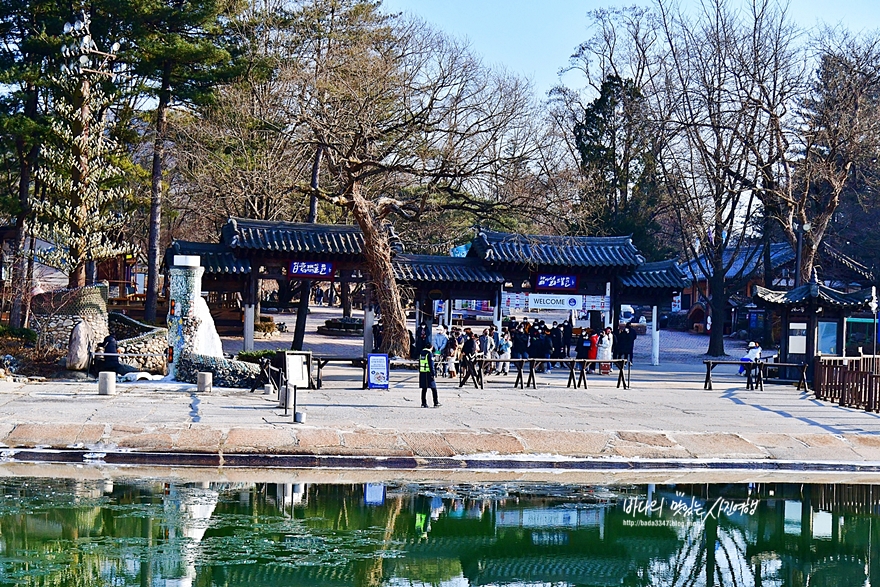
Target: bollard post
282,396
107,383
205,380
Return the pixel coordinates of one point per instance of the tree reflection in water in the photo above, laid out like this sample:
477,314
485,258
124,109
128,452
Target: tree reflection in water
154,533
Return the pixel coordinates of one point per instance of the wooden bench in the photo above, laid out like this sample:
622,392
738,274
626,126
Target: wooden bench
321,362
751,367
573,380
802,371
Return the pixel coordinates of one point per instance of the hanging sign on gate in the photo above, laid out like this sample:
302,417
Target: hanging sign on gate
377,371
555,302
557,282
310,269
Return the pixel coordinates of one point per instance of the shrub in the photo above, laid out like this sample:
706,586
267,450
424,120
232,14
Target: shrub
25,334
255,356
264,326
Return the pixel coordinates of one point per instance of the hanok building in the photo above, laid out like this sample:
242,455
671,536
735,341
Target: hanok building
586,274
814,318
745,270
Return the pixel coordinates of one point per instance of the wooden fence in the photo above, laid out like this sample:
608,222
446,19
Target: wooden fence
852,382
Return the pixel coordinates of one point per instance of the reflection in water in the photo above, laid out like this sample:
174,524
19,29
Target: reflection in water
161,534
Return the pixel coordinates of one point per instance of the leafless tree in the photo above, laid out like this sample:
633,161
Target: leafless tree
836,138
725,84
407,121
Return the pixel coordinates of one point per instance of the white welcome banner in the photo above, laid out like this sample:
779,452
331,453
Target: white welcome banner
555,302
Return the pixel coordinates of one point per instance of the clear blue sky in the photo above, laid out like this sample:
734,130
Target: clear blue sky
535,37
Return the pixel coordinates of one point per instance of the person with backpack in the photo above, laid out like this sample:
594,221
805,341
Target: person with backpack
427,375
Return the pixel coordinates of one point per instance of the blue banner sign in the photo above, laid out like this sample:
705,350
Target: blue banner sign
548,281
377,371
310,269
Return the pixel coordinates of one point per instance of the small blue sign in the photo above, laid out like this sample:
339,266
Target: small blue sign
377,371
559,282
310,269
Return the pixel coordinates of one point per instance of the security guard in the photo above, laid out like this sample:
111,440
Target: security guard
427,372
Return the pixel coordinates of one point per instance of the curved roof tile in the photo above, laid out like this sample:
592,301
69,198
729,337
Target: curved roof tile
564,251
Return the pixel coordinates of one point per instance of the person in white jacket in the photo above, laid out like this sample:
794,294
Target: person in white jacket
752,355
603,352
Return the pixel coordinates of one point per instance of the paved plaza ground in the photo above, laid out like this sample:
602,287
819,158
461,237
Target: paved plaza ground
666,419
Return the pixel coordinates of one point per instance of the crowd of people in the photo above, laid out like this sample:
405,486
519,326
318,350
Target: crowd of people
455,351
454,348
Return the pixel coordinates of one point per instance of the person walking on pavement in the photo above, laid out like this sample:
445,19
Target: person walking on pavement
427,375
469,360
582,350
504,346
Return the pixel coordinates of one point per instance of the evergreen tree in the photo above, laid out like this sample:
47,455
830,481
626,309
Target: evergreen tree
181,55
616,143
27,28
83,186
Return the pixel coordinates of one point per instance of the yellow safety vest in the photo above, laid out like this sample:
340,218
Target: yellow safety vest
424,364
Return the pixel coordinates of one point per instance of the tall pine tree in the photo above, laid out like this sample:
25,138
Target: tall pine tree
181,55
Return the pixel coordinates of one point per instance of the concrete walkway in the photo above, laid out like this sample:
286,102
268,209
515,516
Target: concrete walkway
666,420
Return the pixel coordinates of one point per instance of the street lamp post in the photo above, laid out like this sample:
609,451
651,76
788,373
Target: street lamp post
799,230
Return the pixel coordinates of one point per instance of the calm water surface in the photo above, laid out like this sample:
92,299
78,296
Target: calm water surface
168,534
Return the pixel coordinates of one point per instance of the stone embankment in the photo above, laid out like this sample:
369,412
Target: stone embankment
664,422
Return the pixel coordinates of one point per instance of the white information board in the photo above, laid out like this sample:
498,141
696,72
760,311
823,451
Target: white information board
597,303
297,370
797,338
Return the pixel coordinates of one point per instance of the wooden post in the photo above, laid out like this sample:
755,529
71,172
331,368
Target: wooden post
655,337
369,321
497,308
345,294
249,313
610,312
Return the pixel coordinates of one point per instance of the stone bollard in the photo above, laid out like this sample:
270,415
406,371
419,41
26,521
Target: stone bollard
205,381
107,383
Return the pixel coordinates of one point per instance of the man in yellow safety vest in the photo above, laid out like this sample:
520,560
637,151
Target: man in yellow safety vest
427,372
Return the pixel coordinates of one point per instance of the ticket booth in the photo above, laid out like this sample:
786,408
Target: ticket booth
813,318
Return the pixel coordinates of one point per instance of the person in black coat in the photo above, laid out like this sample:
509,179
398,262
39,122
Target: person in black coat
427,375
519,344
627,342
567,337
556,340
109,346
469,359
